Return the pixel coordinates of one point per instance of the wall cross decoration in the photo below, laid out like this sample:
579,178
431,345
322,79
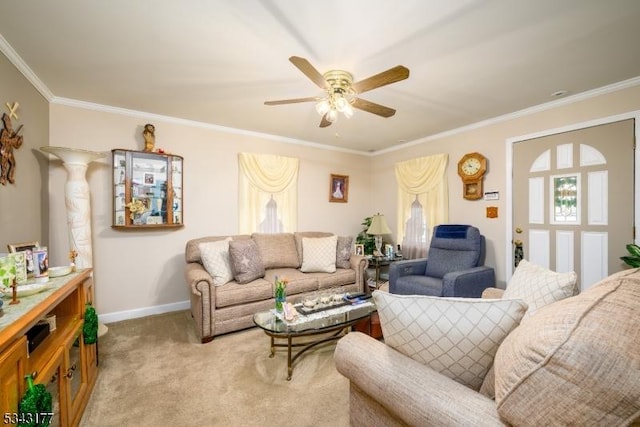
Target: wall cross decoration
12,109
9,139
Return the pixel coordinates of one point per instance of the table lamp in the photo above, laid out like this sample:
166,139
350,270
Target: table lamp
377,228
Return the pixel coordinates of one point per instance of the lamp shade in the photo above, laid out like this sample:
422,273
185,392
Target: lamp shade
378,225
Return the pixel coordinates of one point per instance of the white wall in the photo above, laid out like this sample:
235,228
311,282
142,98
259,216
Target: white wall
141,272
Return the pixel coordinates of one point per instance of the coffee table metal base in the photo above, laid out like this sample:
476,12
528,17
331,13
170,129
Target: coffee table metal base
338,332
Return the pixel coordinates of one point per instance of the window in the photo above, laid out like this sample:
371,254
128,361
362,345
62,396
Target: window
422,186
267,193
271,223
416,233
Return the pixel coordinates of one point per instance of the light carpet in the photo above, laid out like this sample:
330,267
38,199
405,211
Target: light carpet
154,372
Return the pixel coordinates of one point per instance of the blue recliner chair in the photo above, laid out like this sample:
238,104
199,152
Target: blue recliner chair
454,267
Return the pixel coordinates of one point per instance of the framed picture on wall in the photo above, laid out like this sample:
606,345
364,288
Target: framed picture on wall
339,188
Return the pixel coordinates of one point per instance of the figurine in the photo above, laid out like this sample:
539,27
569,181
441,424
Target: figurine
149,137
8,141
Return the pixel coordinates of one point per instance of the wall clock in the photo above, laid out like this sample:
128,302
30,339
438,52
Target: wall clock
471,168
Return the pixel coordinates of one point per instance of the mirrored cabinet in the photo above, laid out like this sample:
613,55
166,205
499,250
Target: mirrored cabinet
147,189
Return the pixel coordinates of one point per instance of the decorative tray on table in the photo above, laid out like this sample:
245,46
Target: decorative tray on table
314,304
320,307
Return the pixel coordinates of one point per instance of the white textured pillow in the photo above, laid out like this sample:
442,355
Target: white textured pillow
539,286
215,259
319,254
457,337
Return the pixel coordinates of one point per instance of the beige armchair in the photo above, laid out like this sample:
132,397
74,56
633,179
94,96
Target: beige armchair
572,362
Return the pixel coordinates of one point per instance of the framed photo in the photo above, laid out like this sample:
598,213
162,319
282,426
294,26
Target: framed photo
339,188
359,249
21,266
27,248
388,250
149,178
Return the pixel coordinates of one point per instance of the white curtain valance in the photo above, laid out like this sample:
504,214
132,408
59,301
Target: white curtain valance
262,178
421,175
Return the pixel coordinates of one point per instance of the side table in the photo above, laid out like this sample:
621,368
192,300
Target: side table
370,326
377,263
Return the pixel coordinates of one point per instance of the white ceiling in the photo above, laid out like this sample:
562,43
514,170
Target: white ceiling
216,61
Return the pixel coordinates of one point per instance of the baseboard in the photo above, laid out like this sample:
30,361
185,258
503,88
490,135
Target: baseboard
143,312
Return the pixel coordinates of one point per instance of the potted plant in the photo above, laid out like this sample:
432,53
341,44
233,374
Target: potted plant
366,239
633,259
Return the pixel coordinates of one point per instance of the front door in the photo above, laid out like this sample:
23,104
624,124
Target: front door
573,200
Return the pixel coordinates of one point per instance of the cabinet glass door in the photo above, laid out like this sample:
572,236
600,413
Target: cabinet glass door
76,373
52,377
53,387
147,189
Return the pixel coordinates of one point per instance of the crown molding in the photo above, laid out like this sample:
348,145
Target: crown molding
625,84
22,66
193,123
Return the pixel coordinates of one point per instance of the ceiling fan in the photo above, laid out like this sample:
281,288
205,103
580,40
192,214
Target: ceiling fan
342,93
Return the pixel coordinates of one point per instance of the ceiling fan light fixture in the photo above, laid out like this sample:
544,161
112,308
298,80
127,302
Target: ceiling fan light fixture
341,93
348,111
341,103
323,107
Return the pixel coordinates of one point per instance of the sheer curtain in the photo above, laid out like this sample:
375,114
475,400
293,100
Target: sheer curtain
421,180
271,223
267,193
416,233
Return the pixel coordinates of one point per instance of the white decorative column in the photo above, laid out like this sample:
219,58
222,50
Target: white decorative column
77,200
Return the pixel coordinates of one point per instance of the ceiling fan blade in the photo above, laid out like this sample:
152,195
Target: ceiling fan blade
392,75
372,107
324,122
292,101
309,71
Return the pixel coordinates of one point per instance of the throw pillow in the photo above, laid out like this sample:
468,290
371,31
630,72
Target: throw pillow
277,250
319,254
538,286
343,251
245,260
457,337
215,259
575,362
299,235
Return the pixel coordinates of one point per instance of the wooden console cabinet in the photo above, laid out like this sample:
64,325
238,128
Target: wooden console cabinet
62,361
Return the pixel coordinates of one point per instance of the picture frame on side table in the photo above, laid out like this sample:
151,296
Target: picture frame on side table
21,266
27,248
359,249
389,251
339,188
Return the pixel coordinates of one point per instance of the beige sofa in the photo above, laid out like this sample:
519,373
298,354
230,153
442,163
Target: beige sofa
573,362
218,309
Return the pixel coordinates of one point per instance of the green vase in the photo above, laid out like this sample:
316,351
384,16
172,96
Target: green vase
281,294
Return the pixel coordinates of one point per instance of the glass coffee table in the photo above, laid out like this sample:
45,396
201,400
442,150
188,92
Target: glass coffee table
334,322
